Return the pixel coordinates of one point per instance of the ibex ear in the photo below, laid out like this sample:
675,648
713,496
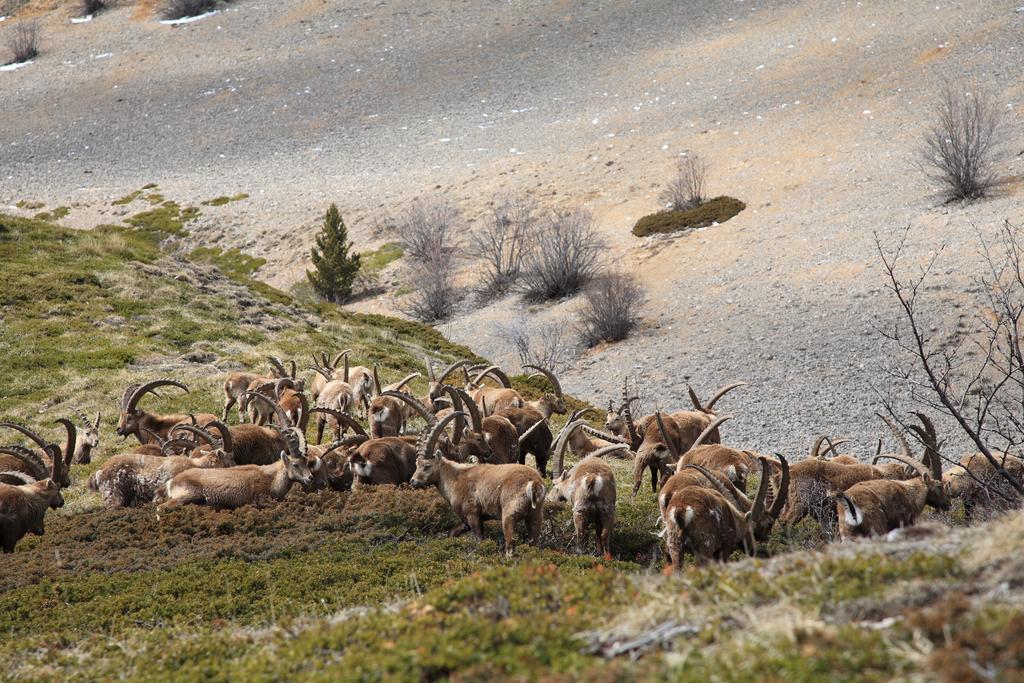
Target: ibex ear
317,463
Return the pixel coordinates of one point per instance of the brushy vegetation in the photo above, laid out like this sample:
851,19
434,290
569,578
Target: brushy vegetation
224,199
563,256
366,584
23,41
179,9
611,308
717,210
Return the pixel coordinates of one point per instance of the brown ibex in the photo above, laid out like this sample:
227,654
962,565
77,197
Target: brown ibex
590,488
435,385
387,415
133,479
44,453
492,399
392,460
139,422
876,507
534,435
479,492
237,383
233,487
492,439
23,507
704,521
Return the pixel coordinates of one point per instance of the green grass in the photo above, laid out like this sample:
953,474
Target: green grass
167,219
29,205
224,199
372,262
54,215
717,210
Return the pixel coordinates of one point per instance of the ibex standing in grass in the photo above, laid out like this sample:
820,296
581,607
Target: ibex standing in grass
41,461
590,488
23,507
479,492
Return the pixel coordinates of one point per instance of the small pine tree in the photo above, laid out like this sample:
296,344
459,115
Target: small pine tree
336,268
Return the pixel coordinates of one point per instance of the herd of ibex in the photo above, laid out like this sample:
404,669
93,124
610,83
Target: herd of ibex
473,445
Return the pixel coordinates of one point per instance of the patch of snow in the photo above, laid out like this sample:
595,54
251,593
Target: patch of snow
188,20
15,66
82,20
104,55
3,18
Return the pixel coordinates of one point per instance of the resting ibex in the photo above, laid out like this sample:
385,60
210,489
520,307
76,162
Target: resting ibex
88,437
335,473
233,487
258,445
23,507
42,464
590,488
479,492
133,479
388,459
237,383
704,521
141,423
873,508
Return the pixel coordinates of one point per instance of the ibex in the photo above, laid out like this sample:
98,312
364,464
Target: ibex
833,446
575,432
974,480
88,438
590,488
876,507
233,487
320,379
534,434
392,460
479,492
387,415
41,464
732,462
492,399
237,383
435,386
335,473
258,445
133,479
336,395
139,422
704,521
23,507
492,439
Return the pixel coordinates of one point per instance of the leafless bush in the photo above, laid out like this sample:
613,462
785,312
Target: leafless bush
427,231
501,244
435,296
960,148
24,41
563,257
611,308
975,375
88,7
179,9
548,345
688,187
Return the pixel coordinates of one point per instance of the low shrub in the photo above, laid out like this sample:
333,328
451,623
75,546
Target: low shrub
564,255
717,210
24,41
179,9
611,308
88,7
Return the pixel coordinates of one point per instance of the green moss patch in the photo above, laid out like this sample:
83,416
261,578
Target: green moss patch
29,205
373,262
167,219
54,215
224,199
717,210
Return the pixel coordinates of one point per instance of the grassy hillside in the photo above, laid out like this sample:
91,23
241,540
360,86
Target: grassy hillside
367,585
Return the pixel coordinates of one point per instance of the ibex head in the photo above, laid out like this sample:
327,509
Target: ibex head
428,456
88,437
436,382
553,401
130,413
297,466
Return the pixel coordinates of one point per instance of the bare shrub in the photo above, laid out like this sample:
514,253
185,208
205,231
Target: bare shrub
435,296
501,244
548,345
611,308
961,147
426,231
179,9
688,187
88,7
24,41
563,257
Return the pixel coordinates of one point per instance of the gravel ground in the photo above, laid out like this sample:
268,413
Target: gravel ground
809,112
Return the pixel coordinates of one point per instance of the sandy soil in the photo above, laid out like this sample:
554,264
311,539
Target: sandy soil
810,112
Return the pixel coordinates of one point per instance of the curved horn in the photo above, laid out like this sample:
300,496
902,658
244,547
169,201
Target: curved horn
28,457
710,428
712,479
26,431
495,372
343,418
561,442
783,493
627,415
435,432
460,423
323,372
551,378
20,476
376,380
225,434
817,447
128,391
669,443
84,418
345,378
900,439
283,382
605,450
303,411
295,441
921,469
171,444
693,399
414,403
294,368
603,435
470,406
930,439
529,431
722,392
72,438
284,420
338,357
198,431
133,400
277,367
832,446
398,386
450,369
757,511
430,369
156,438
